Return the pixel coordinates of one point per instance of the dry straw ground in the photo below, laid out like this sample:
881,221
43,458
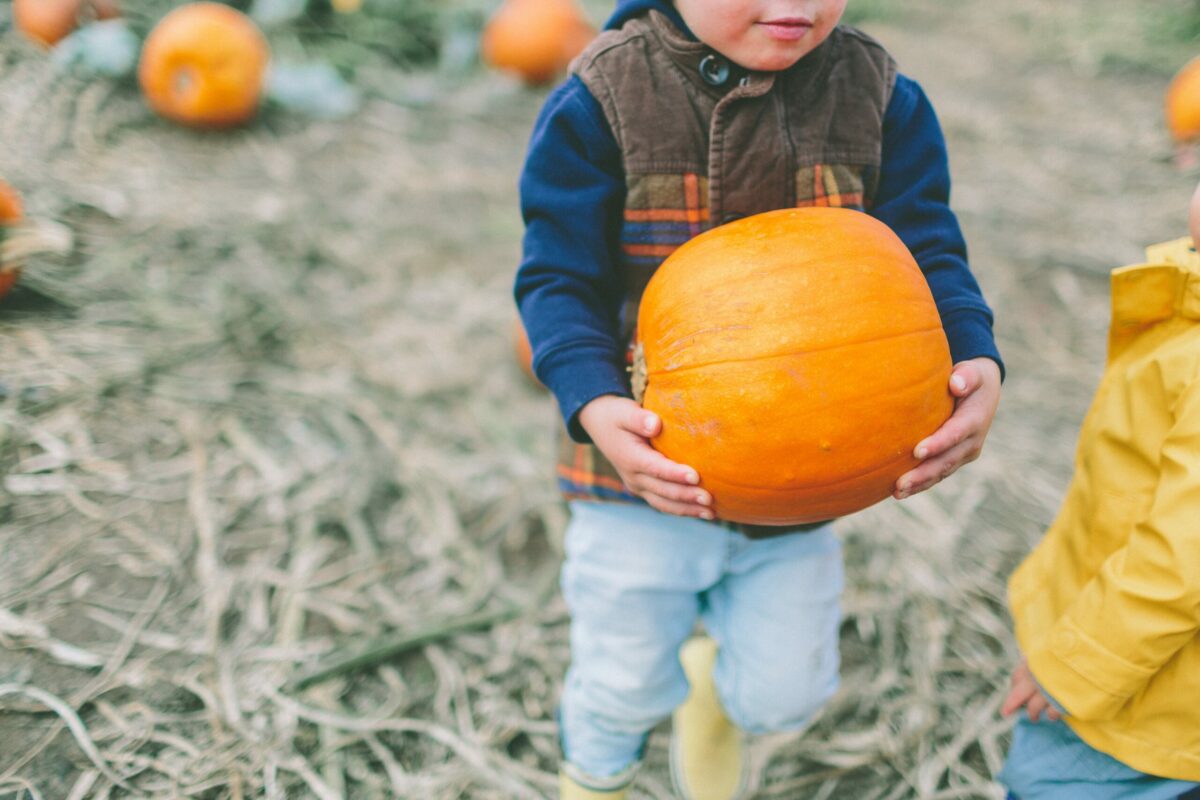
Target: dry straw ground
263,419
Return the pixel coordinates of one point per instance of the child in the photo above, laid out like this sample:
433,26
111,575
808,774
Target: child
679,117
1107,607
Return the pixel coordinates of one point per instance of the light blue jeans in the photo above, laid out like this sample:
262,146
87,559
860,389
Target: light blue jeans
636,580
1047,761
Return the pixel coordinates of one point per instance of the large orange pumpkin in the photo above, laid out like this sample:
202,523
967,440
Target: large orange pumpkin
1183,103
11,213
49,21
796,359
204,64
536,39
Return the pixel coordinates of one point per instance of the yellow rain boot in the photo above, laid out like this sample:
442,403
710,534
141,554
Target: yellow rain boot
707,752
569,789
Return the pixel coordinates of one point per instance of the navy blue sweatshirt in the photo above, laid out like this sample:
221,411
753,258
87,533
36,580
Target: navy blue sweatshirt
572,193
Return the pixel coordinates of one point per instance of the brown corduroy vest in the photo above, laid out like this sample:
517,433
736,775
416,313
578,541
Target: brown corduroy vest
703,143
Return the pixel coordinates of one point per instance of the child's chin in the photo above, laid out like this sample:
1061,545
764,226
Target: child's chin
769,62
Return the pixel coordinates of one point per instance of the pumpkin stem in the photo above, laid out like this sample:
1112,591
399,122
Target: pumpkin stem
29,238
638,377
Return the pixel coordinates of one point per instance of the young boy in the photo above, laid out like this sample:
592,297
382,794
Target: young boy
682,116
1107,607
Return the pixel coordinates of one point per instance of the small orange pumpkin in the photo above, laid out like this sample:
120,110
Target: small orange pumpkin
523,351
796,358
11,214
204,64
49,21
535,39
1182,104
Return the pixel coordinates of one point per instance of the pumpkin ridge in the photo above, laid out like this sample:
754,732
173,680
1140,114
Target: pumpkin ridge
787,353
902,459
678,346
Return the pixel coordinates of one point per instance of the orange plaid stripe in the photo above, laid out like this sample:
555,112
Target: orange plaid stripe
836,185
666,215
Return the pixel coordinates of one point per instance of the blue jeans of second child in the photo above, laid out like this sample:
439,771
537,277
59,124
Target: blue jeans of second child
1047,761
636,580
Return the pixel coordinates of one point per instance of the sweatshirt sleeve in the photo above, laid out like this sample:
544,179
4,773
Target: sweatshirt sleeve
1143,605
572,191
913,199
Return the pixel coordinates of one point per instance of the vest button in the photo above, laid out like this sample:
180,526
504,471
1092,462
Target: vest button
714,70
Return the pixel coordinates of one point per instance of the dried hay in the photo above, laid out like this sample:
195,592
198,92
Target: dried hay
276,518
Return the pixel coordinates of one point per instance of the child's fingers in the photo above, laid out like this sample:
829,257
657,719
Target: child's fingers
963,424
670,490
964,379
676,507
1017,696
1053,714
968,419
933,470
972,414
656,465
1036,705
639,421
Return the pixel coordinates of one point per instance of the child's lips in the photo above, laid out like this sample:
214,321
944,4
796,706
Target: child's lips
787,29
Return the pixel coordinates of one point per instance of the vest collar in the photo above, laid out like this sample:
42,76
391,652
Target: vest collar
716,74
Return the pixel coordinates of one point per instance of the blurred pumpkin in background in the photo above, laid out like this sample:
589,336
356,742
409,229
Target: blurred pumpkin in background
21,237
535,39
204,65
1183,103
48,21
11,214
523,351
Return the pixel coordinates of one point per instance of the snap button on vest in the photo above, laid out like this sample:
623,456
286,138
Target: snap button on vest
714,70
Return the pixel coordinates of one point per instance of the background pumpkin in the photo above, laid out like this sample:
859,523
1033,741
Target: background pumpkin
11,213
49,21
1182,103
204,64
523,351
796,358
535,39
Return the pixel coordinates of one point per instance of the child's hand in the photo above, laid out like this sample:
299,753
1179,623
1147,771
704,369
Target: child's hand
622,430
1026,692
975,385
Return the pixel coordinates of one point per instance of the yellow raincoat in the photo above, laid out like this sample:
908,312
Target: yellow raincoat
1107,607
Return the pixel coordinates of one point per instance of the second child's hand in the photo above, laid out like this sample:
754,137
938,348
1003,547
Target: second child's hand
622,430
1025,693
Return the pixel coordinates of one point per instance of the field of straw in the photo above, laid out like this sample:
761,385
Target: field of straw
276,511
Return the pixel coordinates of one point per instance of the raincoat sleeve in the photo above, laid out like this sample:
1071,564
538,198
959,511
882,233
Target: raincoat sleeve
1144,603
